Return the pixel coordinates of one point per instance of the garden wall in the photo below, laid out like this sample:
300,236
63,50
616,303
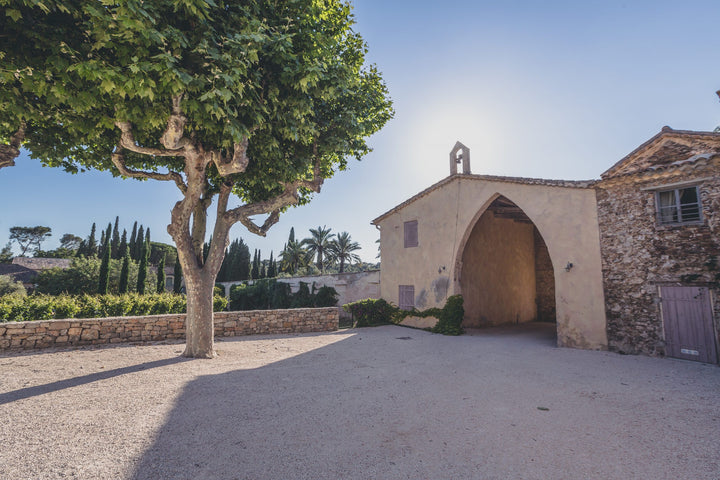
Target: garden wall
95,331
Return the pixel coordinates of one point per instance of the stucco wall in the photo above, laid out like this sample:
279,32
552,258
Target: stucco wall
639,255
95,331
498,281
566,217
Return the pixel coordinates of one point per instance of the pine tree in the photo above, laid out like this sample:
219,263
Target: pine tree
133,239
115,242
123,244
104,279
139,242
142,272
177,280
125,272
92,242
161,275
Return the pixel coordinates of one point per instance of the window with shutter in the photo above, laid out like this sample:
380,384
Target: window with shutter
411,234
406,297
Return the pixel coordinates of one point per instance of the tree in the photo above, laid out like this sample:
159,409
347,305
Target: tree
123,244
115,242
70,241
142,272
29,237
294,256
161,276
255,272
271,272
258,99
6,254
8,286
342,249
139,242
91,247
133,239
104,277
318,244
125,273
177,278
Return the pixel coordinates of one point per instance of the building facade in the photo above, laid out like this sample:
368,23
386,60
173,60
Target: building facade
600,258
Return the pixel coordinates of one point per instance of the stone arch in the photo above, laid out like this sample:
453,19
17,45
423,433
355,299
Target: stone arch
503,267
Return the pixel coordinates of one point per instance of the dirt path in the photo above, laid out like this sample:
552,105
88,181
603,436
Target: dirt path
382,403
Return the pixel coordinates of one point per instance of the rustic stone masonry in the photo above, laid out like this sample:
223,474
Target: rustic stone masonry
544,281
639,256
94,331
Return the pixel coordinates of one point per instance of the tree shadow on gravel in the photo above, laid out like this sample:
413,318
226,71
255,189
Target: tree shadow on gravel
28,392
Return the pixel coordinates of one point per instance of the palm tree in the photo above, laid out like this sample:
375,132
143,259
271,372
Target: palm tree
342,249
293,257
318,245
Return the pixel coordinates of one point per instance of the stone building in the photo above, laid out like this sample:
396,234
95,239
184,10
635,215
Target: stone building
626,263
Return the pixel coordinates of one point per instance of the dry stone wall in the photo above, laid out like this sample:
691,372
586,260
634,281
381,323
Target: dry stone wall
95,331
639,256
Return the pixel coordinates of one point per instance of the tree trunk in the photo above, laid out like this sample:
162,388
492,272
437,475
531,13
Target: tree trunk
199,331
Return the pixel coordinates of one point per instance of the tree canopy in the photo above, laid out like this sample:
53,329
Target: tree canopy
257,99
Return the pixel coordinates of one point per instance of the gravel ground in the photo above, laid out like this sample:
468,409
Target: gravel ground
378,403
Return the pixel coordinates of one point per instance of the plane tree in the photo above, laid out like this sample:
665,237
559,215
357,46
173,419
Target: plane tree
247,105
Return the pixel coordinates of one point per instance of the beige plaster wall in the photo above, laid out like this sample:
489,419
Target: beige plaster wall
566,218
498,281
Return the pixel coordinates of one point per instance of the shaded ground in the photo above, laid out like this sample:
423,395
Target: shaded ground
384,403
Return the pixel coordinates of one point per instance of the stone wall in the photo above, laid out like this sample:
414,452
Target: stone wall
94,331
638,255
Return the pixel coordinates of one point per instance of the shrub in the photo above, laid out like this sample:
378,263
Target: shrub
302,298
8,286
326,297
451,317
371,311
218,291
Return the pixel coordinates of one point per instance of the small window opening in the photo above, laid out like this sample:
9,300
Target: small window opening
678,206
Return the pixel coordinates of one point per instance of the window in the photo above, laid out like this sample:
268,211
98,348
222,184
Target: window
411,234
406,297
680,205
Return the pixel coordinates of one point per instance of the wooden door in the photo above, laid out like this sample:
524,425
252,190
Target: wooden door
687,317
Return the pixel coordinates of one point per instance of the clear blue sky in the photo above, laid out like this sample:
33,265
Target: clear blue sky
554,89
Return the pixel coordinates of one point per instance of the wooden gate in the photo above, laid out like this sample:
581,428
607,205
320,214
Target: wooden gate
688,321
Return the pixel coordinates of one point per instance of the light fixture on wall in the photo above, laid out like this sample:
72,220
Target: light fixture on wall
441,269
568,267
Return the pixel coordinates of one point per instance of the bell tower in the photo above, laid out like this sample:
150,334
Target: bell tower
459,153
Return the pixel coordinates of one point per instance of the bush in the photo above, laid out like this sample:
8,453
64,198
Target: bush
326,297
451,317
16,308
8,286
370,312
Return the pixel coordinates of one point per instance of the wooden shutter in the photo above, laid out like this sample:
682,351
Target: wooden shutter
411,234
406,297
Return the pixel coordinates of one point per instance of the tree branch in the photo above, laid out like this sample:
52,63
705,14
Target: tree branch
127,140
289,196
118,160
172,138
237,164
10,151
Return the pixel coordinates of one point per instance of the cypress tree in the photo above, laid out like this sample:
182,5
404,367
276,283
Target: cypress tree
177,281
139,242
271,273
92,242
125,272
101,245
104,270
291,238
147,237
243,261
133,238
82,249
123,244
115,242
142,272
255,273
161,275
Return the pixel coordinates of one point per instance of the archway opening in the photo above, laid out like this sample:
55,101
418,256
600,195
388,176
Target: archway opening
507,275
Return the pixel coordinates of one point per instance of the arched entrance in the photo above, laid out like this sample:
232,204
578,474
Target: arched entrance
507,276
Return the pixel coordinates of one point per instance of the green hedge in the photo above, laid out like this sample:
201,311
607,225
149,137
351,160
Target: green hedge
372,312
15,308
269,294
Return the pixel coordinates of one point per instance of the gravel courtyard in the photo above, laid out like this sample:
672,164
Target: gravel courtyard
376,403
